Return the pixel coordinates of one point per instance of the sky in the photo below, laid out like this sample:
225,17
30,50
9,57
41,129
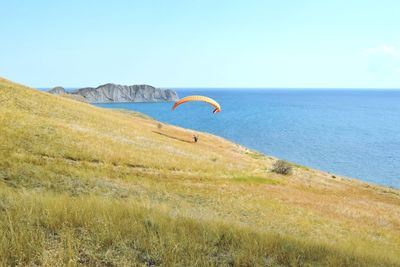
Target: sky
208,43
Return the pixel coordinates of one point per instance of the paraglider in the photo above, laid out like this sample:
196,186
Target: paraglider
199,98
205,99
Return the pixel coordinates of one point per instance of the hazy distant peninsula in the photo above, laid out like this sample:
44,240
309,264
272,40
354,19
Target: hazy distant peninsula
110,93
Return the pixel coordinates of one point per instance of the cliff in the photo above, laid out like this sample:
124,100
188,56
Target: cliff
57,90
109,93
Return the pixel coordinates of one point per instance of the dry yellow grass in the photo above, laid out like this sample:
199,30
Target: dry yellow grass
81,185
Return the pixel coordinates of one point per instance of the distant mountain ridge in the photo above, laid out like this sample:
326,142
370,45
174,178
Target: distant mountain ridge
110,93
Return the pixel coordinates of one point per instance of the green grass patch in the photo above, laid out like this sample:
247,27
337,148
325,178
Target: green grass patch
255,155
255,180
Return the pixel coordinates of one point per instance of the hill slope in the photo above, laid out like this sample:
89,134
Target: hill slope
82,185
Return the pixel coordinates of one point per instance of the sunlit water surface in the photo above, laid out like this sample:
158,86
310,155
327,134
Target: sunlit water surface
349,132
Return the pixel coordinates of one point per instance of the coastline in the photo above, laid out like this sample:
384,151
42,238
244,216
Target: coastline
106,182
339,132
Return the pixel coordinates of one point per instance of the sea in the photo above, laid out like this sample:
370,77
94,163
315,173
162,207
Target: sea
354,133
349,132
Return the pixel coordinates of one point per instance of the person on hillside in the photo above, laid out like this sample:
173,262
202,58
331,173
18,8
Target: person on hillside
195,138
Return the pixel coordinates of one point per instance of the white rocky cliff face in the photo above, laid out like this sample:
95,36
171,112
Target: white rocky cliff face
109,93
57,90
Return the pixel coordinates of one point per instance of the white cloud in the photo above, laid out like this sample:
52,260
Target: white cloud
387,50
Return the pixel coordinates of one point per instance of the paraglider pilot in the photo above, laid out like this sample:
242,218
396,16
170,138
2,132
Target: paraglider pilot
195,138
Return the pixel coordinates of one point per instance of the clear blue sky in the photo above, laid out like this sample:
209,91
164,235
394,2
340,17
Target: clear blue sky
331,43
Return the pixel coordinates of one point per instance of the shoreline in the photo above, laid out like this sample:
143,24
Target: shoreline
117,182
329,172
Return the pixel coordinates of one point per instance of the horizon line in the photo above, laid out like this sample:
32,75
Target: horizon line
251,88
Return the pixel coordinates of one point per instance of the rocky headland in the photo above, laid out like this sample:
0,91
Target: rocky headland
110,93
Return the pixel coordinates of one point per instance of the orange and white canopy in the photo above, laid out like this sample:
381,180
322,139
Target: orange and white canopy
199,98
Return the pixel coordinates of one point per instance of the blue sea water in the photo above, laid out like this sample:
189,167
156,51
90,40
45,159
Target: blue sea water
348,132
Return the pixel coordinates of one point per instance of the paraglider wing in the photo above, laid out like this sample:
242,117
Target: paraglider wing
199,98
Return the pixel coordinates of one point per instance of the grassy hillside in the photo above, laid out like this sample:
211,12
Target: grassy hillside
81,185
